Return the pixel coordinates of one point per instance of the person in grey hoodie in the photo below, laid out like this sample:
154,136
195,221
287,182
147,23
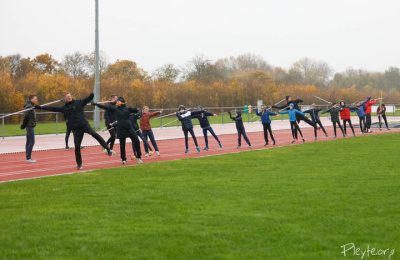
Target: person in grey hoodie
29,124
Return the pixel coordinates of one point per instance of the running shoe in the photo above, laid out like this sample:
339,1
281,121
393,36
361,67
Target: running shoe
315,138
274,142
304,140
31,161
157,153
220,145
205,149
198,149
239,146
139,160
79,167
124,162
147,155
344,135
265,144
113,152
326,135
187,150
250,146
68,148
104,150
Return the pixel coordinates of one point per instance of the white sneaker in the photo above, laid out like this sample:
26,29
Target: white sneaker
139,160
123,162
31,161
147,155
158,153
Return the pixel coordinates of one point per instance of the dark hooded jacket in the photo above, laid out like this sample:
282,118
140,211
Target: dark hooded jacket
186,118
29,116
294,102
109,115
334,113
133,118
73,112
313,113
122,112
238,120
204,123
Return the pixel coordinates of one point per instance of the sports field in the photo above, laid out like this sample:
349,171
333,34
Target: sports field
293,202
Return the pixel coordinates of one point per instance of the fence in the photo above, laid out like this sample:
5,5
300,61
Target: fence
54,123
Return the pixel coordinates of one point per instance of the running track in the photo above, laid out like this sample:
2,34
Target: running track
55,162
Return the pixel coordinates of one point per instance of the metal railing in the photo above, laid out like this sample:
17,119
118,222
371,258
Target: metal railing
166,119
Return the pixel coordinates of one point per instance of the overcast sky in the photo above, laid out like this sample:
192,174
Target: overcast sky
344,33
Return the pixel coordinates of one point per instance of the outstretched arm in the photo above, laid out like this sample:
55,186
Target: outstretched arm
281,107
230,115
87,99
53,109
179,116
284,112
134,110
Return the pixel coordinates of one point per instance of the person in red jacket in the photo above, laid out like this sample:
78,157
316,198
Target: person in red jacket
146,128
345,116
367,108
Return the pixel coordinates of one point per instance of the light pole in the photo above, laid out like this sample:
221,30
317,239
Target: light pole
96,116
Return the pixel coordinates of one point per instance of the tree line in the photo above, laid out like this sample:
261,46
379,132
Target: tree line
233,81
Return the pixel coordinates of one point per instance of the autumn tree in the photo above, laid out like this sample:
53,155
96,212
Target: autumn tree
45,63
76,65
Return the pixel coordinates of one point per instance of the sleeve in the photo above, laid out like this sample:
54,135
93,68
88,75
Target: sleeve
307,111
230,115
318,109
179,116
300,113
352,109
140,114
87,99
104,107
134,110
281,107
284,112
54,109
209,114
196,112
154,113
258,114
271,113
297,101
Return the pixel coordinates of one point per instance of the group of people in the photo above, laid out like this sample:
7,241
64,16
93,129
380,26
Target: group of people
121,122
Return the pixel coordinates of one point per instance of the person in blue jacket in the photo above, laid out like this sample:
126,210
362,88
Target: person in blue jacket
293,124
315,118
266,122
361,116
240,128
205,125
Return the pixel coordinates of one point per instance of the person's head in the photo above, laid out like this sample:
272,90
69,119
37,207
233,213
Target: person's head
145,109
358,104
342,103
238,113
288,98
313,106
113,97
383,105
120,101
200,108
33,99
263,107
291,106
334,105
68,97
181,108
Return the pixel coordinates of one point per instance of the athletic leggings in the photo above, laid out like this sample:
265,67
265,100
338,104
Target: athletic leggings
135,146
334,127
267,127
305,119
351,126
315,128
185,132
368,118
113,135
384,118
149,133
145,143
362,120
78,136
240,133
295,127
211,132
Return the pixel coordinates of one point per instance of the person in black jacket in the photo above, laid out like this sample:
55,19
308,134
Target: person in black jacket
185,117
205,125
75,117
289,100
133,118
240,128
125,128
67,134
315,118
111,118
29,122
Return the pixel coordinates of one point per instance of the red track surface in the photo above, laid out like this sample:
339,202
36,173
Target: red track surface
54,162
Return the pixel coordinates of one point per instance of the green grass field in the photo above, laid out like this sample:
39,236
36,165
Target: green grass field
297,202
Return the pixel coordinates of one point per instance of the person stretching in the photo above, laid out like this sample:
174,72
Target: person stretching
125,128
345,116
205,125
146,127
75,117
240,129
133,118
185,117
266,122
381,111
315,118
334,111
361,116
293,123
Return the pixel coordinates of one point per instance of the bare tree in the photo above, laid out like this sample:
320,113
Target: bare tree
76,64
14,63
166,73
91,62
252,62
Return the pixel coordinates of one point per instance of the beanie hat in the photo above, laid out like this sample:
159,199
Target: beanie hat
287,97
121,99
180,107
200,107
291,105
